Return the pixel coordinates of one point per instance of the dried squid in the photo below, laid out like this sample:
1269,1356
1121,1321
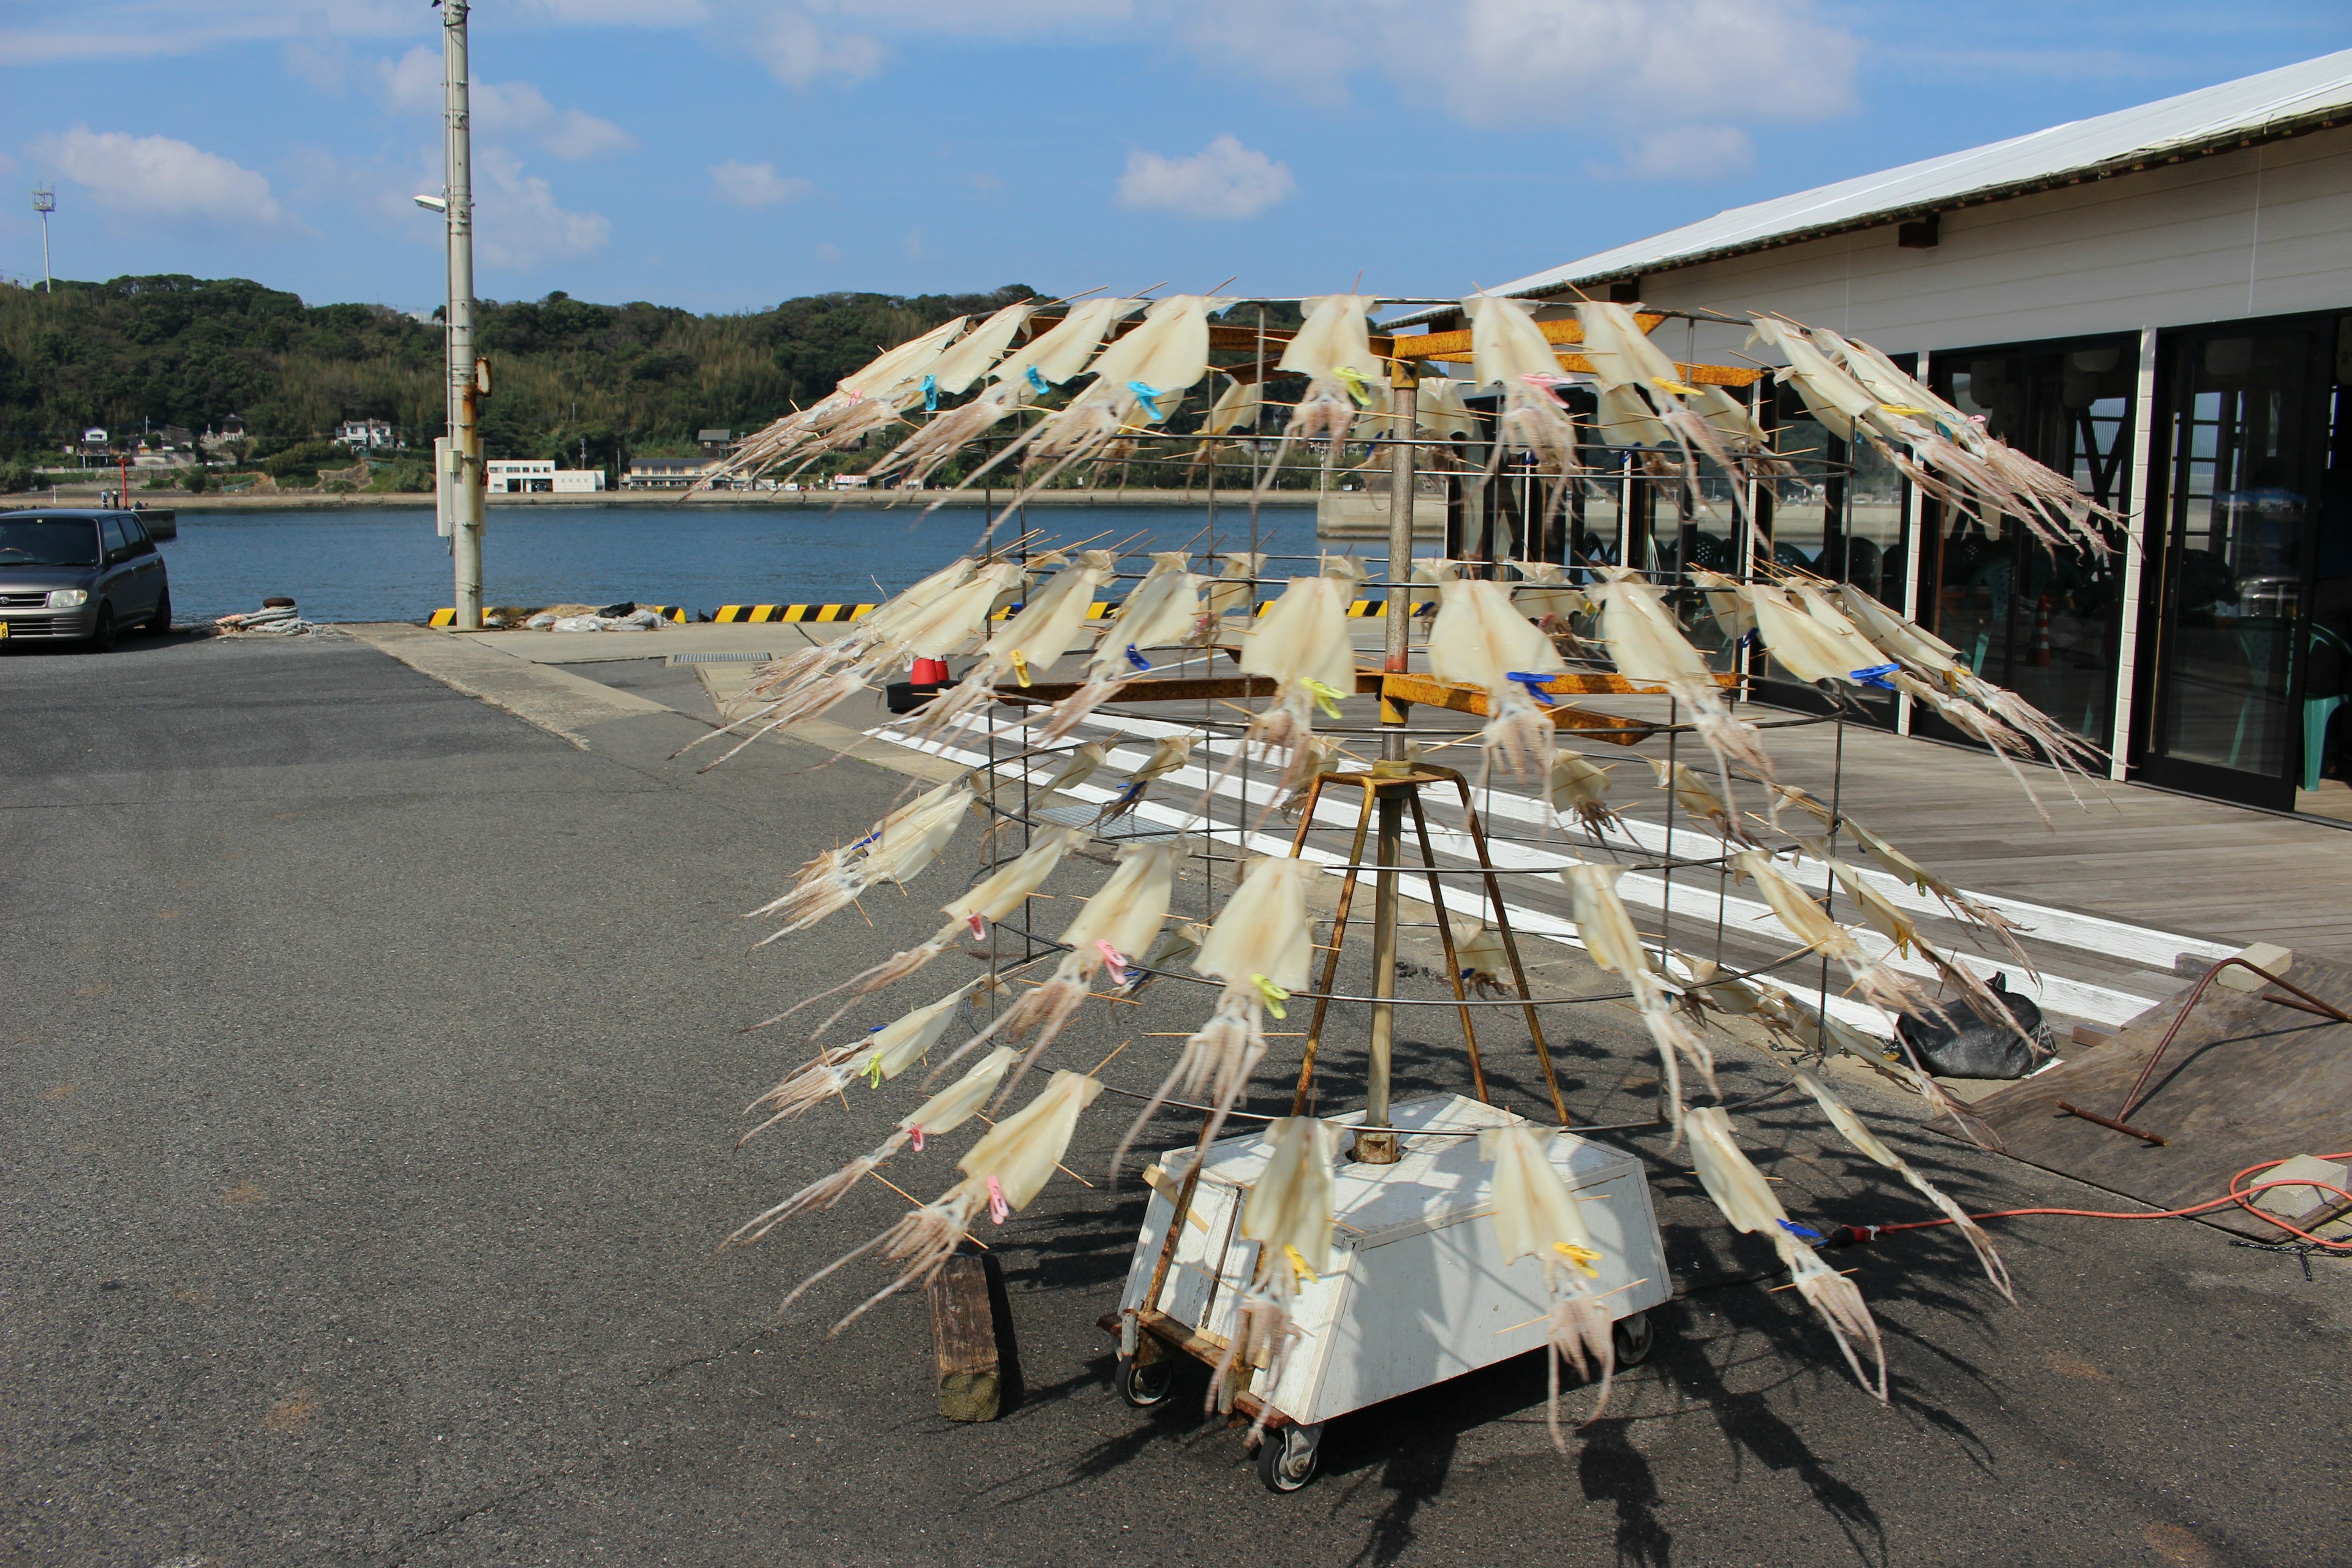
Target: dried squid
1259,946
1162,609
1002,1173
1850,1127
1482,639
1607,931
1535,1216
1740,1190
1288,1215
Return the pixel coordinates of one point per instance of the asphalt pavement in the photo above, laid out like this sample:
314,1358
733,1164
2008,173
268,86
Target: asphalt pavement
374,1064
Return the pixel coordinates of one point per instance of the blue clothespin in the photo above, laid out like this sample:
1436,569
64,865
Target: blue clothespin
1135,658
930,395
1534,685
1036,381
1876,675
1793,1229
1150,396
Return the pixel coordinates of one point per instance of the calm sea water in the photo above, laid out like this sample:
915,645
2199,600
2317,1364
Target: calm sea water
386,565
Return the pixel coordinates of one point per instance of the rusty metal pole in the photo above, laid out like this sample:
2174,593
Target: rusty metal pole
464,431
1375,1144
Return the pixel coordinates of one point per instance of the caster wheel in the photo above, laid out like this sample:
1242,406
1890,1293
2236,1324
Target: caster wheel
1633,1337
1287,1459
1146,1386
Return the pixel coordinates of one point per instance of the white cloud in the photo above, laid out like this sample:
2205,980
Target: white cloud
512,109
1625,65
516,223
755,185
1223,180
160,179
1686,152
799,52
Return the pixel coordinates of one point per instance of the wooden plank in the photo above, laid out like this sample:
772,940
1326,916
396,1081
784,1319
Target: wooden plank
963,1340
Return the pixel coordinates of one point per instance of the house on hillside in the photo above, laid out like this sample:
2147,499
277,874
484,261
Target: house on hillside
364,435
2156,301
714,442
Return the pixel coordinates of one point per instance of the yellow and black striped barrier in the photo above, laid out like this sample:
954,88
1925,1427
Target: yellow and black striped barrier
676,613
748,612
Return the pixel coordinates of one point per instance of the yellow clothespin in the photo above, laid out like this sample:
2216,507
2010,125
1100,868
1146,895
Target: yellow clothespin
1298,1263
1358,384
1020,667
1274,995
1584,1257
1326,695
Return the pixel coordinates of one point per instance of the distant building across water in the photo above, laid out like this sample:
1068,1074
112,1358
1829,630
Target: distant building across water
533,476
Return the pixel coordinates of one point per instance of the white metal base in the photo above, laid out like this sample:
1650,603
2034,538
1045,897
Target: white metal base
1415,1293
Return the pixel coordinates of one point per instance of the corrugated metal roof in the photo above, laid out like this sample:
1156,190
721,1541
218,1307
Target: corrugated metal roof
2291,98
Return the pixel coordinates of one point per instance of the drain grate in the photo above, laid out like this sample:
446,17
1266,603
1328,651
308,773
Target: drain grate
677,658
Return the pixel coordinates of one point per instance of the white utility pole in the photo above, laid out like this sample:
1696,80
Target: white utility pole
465,389
44,202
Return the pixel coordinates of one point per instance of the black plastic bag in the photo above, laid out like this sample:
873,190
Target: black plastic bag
1973,1044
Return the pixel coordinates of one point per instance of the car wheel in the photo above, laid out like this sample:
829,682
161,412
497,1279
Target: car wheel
160,621
102,630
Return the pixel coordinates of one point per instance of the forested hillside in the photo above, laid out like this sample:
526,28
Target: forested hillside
626,380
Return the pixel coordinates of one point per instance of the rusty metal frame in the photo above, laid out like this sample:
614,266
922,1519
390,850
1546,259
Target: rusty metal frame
2120,1120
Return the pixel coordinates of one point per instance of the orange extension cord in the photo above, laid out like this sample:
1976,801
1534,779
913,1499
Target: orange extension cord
2238,1193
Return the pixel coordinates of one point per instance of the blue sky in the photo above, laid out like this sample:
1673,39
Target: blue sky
723,154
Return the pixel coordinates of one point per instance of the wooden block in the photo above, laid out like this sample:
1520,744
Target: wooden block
963,1339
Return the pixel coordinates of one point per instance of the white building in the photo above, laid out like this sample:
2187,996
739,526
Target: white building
365,435
664,473
533,476
2158,301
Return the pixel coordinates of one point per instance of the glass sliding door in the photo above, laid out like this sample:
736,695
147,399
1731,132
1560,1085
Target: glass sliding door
2249,427
2042,622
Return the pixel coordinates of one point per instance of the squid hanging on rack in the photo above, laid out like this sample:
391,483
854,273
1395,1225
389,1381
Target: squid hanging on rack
1005,891
865,401
1332,349
1162,611
1547,598
1483,639
1508,351
946,623
884,1053
1234,593
1578,785
1288,1214
1740,1190
1648,648
946,432
1696,798
1607,931
1139,380
1535,1216
900,845
1873,982
1167,753
1881,915
1003,1173
943,1112
1851,1128
1260,946
1044,628
1302,642
1116,928
1939,665
1972,911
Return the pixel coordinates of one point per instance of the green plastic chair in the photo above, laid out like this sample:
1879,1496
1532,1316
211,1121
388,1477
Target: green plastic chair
2318,711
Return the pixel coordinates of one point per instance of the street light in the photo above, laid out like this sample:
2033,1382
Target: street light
44,202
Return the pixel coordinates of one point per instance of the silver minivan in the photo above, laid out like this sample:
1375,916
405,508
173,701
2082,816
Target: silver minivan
72,573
